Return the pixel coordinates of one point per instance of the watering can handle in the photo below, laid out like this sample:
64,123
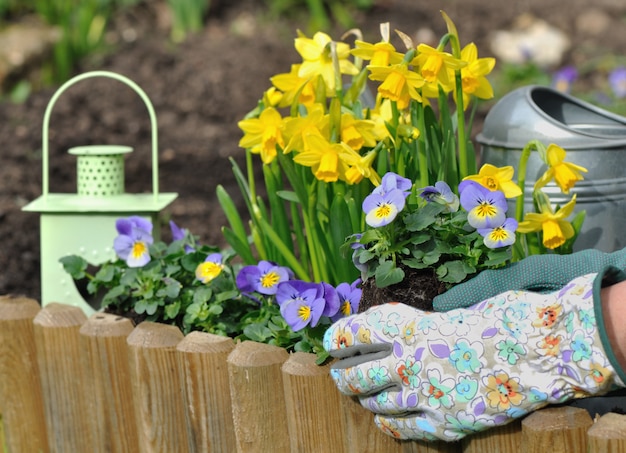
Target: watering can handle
131,84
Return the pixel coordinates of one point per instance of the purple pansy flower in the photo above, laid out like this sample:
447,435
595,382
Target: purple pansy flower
180,234
485,208
617,80
301,303
563,79
380,209
331,297
349,298
262,278
134,240
442,194
392,181
501,236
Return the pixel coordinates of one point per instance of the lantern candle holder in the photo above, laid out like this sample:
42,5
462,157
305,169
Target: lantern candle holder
83,223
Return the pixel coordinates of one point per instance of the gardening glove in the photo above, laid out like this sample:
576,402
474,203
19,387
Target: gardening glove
537,273
444,375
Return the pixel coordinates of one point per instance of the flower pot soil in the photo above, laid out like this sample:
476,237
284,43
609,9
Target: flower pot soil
418,289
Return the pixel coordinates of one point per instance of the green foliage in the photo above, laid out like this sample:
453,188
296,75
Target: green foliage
166,290
321,13
188,17
426,235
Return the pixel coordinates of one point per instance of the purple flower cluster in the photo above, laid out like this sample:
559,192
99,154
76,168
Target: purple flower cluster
301,303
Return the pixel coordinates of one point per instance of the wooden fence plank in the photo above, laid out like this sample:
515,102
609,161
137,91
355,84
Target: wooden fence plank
608,434
64,379
502,439
314,417
202,358
103,340
363,435
256,390
20,389
557,430
157,389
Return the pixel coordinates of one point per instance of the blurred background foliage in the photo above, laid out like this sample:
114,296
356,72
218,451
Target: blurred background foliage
81,25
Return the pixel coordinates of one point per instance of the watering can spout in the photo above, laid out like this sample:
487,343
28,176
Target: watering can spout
550,116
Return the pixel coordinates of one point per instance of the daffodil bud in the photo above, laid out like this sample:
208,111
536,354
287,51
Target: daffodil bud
408,132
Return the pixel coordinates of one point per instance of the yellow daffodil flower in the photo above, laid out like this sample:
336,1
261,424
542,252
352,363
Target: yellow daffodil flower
317,58
357,133
473,75
556,230
295,128
272,97
262,134
379,54
434,66
565,174
322,157
399,83
497,178
359,167
292,85
380,115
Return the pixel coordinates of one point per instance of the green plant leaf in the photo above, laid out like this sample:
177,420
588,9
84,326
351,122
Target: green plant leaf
388,274
75,266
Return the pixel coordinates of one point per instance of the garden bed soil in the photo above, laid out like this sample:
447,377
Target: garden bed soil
200,89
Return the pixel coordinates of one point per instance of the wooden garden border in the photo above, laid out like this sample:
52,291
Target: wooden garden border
72,384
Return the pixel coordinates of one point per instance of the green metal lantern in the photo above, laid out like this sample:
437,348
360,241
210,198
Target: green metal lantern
83,223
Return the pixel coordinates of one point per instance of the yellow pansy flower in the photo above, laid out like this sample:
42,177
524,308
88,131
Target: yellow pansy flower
262,134
556,230
399,83
497,178
565,174
317,58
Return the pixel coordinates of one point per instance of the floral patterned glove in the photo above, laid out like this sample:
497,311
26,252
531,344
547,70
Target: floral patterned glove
446,375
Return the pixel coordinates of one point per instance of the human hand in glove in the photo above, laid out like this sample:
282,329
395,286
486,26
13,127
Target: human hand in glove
444,375
536,273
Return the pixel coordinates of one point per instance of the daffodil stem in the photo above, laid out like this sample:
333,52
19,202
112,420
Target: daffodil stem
462,140
521,178
422,157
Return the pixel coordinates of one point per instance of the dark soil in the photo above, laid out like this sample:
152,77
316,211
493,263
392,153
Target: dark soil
200,89
418,289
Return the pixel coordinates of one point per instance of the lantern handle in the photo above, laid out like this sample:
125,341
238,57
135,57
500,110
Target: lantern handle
131,84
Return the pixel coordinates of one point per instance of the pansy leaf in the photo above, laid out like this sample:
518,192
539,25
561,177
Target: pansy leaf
75,266
388,274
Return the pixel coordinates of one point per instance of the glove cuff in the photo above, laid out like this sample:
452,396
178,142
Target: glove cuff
607,277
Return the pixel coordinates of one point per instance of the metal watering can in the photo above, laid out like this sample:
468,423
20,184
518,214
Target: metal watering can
592,137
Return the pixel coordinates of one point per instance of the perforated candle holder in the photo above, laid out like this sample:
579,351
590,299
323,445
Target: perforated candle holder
83,223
